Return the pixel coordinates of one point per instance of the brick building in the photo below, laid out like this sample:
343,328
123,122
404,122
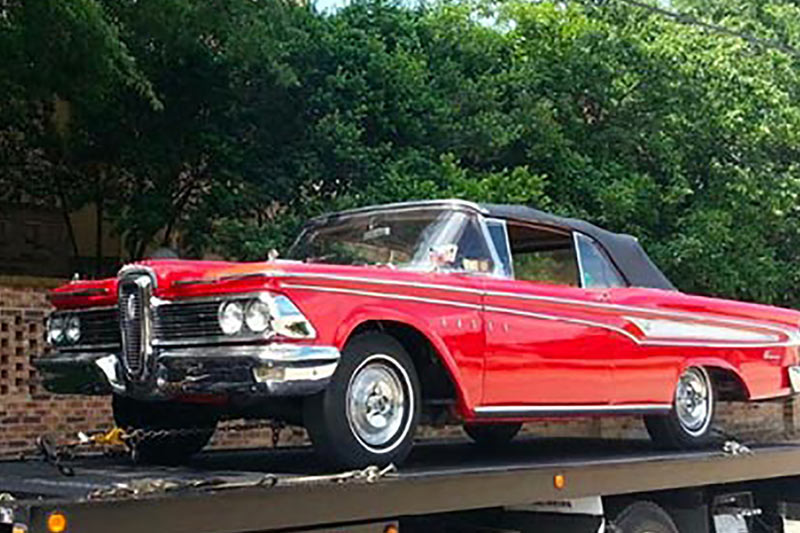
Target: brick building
26,411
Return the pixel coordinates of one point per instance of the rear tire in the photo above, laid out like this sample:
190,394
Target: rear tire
192,426
491,436
368,413
644,517
688,424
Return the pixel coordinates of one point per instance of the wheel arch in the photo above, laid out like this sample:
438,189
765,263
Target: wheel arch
436,369
728,382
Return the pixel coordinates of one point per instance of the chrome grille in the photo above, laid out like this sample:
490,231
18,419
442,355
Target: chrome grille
178,321
134,293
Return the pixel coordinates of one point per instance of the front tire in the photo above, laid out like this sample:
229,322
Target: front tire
368,413
491,436
688,424
172,432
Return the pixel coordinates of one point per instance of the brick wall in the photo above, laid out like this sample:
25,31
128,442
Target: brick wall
26,411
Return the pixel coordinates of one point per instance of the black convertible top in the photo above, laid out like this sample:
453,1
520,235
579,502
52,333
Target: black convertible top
625,250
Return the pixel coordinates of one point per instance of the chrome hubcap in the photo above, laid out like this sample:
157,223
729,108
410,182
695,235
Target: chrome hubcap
377,402
693,401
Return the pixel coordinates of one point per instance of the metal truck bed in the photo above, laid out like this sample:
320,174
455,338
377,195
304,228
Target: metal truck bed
263,490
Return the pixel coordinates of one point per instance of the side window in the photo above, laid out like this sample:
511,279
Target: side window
473,252
596,268
543,255
499,236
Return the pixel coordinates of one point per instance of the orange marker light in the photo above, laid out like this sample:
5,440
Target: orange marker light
559,481
391,529
56,522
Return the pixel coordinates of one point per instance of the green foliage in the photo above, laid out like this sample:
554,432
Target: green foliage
221,125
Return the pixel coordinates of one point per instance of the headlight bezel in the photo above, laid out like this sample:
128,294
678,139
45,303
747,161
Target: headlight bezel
231,312
56,335
255,311
265,315
63,329
72,329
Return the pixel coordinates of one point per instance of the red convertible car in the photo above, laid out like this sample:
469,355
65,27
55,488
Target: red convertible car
386,317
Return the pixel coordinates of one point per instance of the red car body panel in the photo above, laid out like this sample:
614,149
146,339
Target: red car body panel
507,342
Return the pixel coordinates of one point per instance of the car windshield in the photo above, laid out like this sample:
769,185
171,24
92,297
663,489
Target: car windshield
415,238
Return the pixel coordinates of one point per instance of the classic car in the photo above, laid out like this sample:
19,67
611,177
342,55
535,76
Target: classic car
386,317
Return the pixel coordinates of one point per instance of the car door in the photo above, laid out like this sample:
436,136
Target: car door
641,375
546,352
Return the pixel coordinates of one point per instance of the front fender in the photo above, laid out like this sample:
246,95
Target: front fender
380,313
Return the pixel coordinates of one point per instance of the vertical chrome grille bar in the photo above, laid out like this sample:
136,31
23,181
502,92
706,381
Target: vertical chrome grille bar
134,293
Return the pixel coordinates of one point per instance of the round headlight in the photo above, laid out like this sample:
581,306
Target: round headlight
73,329
55,329
231,318
257,316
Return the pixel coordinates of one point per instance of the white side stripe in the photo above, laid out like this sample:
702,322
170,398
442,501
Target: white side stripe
383,295
550,299
661,328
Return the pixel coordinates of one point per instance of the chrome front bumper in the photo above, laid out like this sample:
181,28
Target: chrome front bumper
269,370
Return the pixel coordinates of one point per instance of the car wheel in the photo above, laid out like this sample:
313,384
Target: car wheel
369,411
492,435
171,432
688,424
644,517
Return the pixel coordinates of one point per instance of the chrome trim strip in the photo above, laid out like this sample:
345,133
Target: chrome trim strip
454,202
276,352
384,295
579,259
81,347
560,410
563,319
156,302
212,340
662,328
786,330
543,316
497,271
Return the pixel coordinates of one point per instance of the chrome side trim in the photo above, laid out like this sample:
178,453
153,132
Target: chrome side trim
390,296
661,328
557,318
550,299
544,316
568,410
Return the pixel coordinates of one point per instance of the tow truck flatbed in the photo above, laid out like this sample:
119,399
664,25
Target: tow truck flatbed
268,490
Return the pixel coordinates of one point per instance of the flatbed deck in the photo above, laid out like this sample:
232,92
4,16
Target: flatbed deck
257,490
